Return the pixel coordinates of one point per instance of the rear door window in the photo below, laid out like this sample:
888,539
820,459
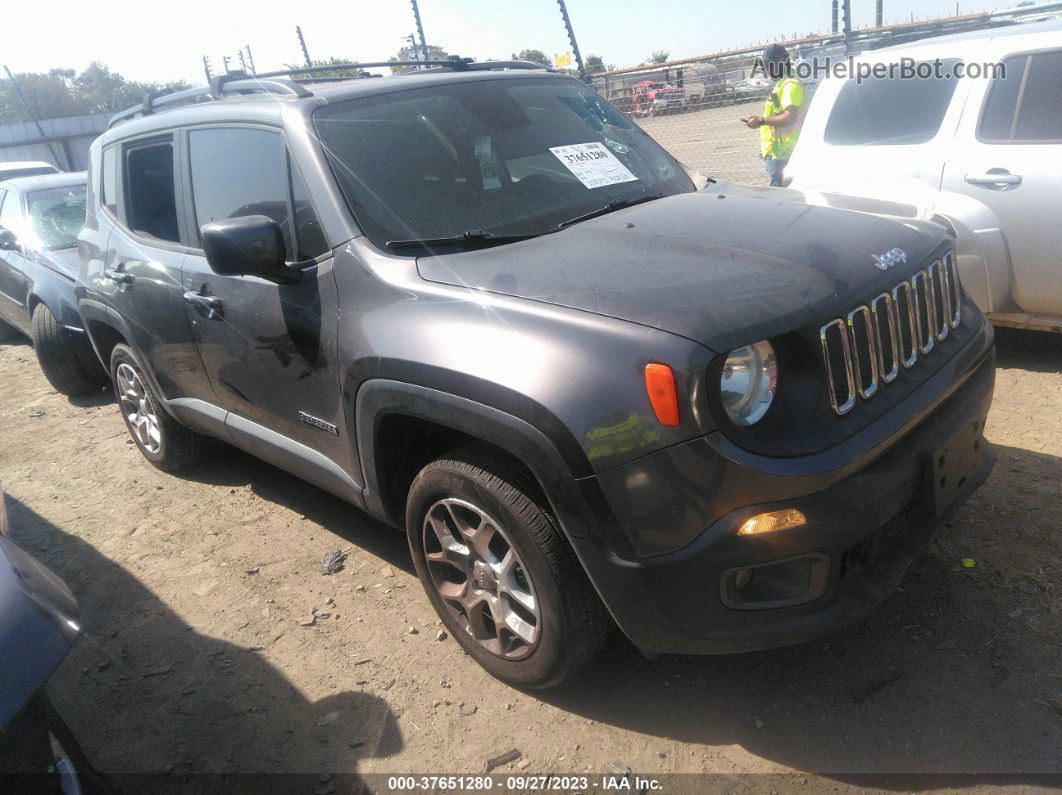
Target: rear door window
891,110
1023,102
150,198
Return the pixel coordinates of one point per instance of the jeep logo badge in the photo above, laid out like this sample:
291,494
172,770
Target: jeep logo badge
896,256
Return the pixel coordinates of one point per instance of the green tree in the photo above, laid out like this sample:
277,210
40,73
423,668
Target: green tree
408,53
331,72
595,64
63,92
535,56
659,56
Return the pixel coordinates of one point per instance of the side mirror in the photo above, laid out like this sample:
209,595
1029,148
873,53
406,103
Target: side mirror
251,245
8,241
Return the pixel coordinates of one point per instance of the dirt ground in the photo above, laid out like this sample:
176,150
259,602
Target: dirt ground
196,592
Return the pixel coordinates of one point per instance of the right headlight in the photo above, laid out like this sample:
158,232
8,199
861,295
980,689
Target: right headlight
747,383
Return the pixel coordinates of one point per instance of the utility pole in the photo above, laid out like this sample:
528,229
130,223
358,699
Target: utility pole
571,37
846,22
208,70
420,30
33,117
302,43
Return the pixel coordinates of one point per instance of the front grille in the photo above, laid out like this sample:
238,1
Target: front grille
865,350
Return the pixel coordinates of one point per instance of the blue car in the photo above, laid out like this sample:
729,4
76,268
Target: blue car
39,622
40,217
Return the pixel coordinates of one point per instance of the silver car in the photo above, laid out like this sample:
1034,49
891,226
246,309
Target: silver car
977,146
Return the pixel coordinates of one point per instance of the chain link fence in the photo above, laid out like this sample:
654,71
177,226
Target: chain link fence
694,110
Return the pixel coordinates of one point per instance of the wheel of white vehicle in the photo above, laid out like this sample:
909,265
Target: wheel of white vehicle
164,442
66,358
499,571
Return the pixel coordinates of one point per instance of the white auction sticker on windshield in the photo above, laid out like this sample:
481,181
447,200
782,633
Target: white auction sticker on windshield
593,164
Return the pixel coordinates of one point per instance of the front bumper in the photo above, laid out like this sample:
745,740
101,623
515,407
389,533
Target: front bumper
867,520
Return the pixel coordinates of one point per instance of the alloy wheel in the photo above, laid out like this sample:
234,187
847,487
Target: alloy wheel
138,409
481,579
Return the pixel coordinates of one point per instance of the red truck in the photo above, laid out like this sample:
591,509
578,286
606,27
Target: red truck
652,98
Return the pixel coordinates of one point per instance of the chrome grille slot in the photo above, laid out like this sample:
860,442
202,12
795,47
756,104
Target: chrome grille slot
923,304
951,274
837,355
864,349
867,349
941,297
885,334
906,324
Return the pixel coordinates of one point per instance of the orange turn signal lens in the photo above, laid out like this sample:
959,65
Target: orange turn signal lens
660,385
770,522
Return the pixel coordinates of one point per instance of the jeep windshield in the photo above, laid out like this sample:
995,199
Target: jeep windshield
490,161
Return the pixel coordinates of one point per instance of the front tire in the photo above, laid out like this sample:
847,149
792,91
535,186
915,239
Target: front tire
162,440
67,361
499,572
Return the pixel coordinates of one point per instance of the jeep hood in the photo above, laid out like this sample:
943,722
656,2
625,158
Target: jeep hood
725,266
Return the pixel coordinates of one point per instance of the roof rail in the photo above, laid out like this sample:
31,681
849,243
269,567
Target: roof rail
285,81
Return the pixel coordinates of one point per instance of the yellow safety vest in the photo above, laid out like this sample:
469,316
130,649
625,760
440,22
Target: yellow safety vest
779,142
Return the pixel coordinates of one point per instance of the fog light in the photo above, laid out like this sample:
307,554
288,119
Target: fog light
742,579
772,521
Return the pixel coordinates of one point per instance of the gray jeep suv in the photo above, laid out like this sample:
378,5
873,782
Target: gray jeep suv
481,305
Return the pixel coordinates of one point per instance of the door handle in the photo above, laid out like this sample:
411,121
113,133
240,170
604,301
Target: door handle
206,305
117,275
994,179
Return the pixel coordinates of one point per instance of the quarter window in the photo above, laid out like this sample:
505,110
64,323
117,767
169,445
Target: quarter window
10,212
108,184
891,110
150,203
244,171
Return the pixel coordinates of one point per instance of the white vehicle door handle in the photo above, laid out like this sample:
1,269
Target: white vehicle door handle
994,179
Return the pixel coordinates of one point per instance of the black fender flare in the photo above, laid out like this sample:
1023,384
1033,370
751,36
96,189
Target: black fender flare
578,503
381,397
95,312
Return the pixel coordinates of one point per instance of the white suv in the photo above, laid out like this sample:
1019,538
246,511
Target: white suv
982,153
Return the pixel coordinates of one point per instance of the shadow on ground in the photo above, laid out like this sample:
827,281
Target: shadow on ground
958,672
1036,351
118,680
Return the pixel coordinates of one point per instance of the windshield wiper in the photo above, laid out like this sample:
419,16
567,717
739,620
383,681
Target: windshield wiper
612,206
469,236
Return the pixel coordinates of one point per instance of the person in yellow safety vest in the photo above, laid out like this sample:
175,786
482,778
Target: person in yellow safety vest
783,113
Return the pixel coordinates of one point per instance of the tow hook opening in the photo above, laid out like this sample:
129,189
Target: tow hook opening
782,583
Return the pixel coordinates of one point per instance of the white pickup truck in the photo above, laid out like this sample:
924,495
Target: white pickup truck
976,147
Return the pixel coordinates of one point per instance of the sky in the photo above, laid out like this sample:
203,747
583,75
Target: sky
157,41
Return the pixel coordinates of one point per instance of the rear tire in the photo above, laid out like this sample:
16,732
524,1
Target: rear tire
516,598
162,440
67,360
